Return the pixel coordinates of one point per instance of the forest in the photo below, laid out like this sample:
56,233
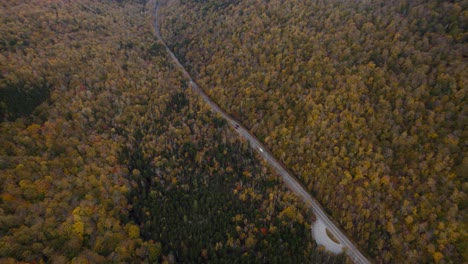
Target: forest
106,156
365,101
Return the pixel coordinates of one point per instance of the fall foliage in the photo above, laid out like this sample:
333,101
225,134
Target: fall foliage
365,101
106,156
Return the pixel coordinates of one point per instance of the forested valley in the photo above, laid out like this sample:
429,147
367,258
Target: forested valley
107,157
365,101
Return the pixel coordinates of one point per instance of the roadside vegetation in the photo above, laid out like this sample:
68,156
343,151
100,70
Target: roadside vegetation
115,160
365,101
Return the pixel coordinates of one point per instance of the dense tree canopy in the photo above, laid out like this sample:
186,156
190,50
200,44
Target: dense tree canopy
106,156
364,100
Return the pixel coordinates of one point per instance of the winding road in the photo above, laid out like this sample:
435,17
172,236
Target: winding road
323,222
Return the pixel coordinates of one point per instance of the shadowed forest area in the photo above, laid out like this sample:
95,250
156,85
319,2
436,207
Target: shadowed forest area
106,156
365,101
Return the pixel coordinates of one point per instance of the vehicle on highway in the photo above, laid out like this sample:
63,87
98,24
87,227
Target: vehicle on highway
288,178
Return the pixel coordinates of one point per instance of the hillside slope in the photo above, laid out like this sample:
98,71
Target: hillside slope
107,157
364,101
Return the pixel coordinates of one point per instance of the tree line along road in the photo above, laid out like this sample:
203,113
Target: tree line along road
351,250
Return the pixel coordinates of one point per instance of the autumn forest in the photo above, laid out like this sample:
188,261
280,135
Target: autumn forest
108,156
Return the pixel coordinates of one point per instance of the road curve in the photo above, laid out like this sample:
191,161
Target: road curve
319,232
350,249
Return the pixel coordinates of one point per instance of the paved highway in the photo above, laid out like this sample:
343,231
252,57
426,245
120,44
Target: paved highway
290,180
